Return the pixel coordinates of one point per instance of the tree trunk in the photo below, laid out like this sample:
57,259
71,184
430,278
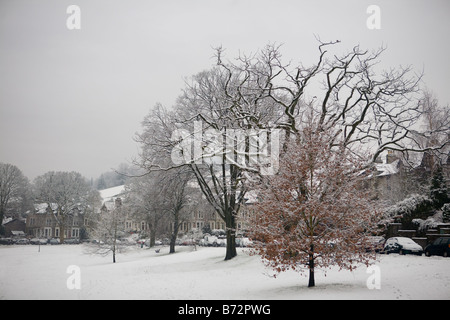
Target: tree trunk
231,245
62,229
114,247
115,236
2,214
152,238
311,282
173,238
61,223
172,243
231,236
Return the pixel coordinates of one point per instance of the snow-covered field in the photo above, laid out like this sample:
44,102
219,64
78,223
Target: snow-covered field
26,273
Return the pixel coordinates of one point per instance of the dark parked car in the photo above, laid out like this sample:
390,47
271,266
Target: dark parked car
440,247
71,241
54,241
7,241
402,245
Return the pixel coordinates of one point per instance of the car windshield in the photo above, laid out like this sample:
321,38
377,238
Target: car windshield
405,241
441,241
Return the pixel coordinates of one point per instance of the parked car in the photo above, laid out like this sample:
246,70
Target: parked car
38,241
209,241
220,243
402,245
440,246
71,241
22,241
54,241
243,242
6,241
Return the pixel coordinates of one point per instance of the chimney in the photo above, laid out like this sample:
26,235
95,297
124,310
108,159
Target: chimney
391,157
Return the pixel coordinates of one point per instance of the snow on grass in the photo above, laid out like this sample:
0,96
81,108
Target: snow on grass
26,273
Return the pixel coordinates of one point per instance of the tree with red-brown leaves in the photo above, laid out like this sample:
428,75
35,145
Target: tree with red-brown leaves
314,213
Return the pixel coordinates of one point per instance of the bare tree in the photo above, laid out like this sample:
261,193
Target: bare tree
64,191
144,201
435,119
223,122
13,188
178,199
434,133
91,212
214,162
108,230
162,196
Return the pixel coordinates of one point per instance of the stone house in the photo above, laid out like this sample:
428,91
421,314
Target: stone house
204,216
395,184
393,180
111,198
44,222
15,228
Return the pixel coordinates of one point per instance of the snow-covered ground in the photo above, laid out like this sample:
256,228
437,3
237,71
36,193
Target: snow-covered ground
26,273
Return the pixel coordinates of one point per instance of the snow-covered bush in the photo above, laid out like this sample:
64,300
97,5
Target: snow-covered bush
429,223
416,206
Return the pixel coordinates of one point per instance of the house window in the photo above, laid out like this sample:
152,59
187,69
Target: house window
57,232
47,232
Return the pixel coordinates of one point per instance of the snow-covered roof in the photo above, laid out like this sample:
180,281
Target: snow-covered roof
7,220
42,207
111,194
386,169
251,197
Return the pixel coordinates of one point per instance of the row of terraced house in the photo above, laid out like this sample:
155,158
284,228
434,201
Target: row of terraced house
43,222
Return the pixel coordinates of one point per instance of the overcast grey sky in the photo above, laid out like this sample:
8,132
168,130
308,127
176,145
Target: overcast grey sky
73,99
